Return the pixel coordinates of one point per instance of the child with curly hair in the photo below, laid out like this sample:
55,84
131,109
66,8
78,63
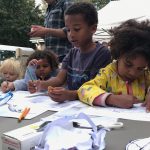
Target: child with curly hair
42,65
126,80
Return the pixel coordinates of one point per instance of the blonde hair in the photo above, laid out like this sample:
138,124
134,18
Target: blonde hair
11,64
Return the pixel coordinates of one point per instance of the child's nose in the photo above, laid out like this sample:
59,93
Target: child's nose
71,34
41,68
132,72
7,75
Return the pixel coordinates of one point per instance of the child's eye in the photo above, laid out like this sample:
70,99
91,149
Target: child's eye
77,29
45,66
11,74
128,65
142,69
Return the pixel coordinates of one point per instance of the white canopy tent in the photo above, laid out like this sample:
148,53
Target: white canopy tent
116,12
20,53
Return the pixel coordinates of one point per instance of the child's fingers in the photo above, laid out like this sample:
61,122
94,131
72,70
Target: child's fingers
55,88
31,89
54,93
56,98
144,103
136,101
59,88
33,62
57,91
148,106
32,86
39,61
4,86
5,83
50,88
31,83
4,89
10,86
53,96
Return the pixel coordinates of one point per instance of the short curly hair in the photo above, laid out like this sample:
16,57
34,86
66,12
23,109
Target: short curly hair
45,54
131,38
86,9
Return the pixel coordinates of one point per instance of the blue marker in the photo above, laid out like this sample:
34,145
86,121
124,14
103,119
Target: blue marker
4,98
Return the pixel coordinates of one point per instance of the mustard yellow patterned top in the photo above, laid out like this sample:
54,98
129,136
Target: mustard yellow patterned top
108,81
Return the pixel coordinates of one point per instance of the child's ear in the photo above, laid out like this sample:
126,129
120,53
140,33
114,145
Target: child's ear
93,28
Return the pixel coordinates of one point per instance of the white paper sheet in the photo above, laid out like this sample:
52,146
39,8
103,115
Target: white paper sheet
136,113
98,120
139,144
44,101
35,110
37,104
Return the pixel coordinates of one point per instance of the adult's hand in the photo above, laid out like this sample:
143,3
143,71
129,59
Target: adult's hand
38,31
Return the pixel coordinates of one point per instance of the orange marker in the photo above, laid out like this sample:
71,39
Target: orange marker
24,114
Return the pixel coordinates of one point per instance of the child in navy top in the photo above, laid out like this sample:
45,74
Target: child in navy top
83,61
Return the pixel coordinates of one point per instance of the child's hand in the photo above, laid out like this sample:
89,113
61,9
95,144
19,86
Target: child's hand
60,94
50,88
33,62
34,86
122,101
7,86
147,103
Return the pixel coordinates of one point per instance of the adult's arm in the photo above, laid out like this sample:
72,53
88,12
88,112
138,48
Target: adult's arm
40,31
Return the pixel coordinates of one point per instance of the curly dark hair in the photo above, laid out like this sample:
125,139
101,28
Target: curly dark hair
131,38
47,54
87,10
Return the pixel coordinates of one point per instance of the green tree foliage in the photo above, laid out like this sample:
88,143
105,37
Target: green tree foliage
100,3
16,16
97,3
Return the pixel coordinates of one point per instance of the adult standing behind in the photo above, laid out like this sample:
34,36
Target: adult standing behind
54,32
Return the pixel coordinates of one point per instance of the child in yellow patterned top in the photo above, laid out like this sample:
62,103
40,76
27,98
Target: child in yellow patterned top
126,80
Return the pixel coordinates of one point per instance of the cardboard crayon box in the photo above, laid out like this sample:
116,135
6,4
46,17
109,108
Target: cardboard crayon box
24,138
